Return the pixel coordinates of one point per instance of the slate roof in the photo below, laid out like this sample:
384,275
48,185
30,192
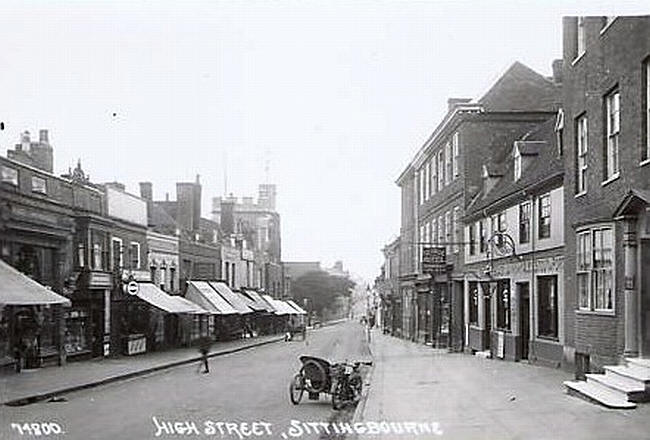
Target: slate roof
521,89
546,166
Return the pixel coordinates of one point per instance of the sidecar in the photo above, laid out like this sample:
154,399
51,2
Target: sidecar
315,377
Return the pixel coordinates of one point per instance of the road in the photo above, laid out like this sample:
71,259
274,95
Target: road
249,386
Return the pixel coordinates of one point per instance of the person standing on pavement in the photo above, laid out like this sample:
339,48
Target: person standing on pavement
204,349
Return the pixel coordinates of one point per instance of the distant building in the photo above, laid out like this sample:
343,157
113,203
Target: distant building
296,269
255,226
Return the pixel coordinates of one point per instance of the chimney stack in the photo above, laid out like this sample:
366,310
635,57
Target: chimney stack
455,102
557,71
227,220
146,192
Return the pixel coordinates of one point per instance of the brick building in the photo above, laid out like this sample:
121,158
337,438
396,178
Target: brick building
439,182
607,159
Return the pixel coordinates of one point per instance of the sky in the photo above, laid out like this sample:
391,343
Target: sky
328,100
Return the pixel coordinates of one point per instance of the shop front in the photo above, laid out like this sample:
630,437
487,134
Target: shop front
31,321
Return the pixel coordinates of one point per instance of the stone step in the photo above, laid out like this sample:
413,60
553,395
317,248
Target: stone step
631,375
642,364
484,354
598,393
628,391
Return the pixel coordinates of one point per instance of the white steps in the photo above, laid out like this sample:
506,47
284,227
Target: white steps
620,387
599,394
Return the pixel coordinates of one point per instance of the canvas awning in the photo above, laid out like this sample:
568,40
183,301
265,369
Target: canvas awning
200,292
168,303
249,302
230,296
259,301
281,308
293,304
17,289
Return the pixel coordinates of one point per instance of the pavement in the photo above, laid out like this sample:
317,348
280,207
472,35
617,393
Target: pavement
245,390
33,385
460,396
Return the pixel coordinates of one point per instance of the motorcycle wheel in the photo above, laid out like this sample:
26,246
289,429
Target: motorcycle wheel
338,397
296,389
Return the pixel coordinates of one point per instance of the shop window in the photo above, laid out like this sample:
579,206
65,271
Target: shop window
545,216
595,262
524,223
547,306
9,175
503,304
76,333
473,303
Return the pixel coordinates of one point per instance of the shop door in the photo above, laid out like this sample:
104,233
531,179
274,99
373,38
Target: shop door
524,317
645,298
97,329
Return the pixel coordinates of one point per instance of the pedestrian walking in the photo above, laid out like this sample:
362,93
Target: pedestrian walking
204,349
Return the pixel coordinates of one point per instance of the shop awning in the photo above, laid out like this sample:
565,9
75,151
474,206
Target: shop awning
249,301
17,289
293,304
230,296
259,301
168,303
200,292
281,308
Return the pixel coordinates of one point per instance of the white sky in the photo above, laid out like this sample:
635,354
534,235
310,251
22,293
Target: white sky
337,96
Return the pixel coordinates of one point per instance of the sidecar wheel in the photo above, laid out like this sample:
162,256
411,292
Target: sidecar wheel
296,389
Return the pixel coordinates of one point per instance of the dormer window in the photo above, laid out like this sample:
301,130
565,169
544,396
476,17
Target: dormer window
517,164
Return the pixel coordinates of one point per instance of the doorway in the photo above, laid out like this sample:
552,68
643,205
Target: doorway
524,318
645,298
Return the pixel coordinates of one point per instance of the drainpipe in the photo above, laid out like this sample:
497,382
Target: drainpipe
533,286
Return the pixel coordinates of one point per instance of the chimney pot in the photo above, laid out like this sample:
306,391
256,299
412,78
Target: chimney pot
43,137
